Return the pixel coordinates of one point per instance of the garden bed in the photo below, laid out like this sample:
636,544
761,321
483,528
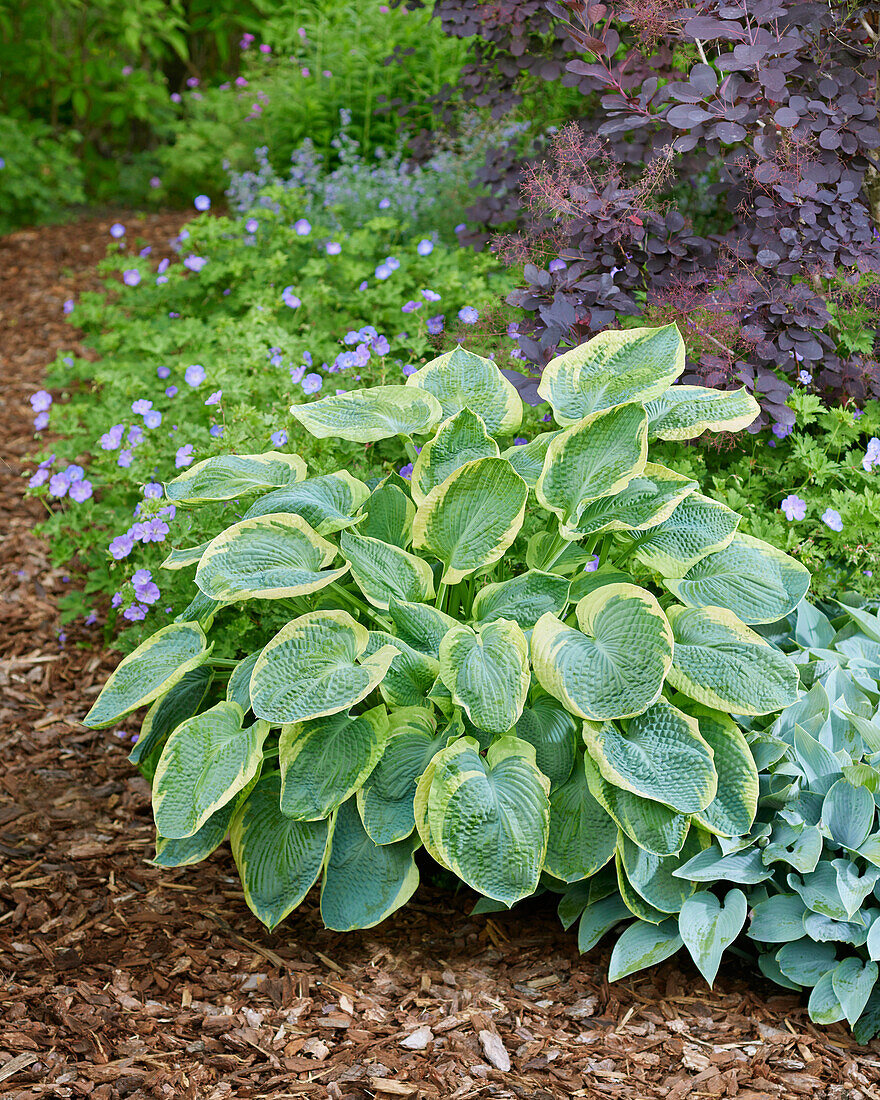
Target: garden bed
125,980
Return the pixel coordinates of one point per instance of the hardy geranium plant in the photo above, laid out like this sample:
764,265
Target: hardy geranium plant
514,659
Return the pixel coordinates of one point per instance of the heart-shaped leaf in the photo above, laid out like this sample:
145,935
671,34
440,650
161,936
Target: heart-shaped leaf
707,927
223,477
390,514
460,439
385,572
548,726
698,526
487,671
804,961
685,412
648,499
365,416
582,835
461,379
848,813
524,598
852,981
643,945
732,810
327,503
528,458
597,919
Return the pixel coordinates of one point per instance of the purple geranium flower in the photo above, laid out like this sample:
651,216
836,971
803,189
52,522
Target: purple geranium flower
121,546
112,439
794,507
302,228
202,203
131,276
117,230
141,406
125,458
215,398
425,248
469,315
312,383
195,374
831,518
152,419
194,263
279,438
41,401
81,490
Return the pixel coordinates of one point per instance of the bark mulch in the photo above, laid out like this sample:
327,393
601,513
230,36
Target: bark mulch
118,979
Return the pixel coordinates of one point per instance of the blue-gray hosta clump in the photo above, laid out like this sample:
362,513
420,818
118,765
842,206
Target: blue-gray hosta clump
566,717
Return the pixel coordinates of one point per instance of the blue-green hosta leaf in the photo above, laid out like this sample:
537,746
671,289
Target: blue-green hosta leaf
870,850
769,967
651,825
528,458
206,761
419,625
573,902
800,846
582,835
818,891
698,526
824,1007
659,754
812,628
820,766
868,1025
804,961
410,676
223,477
385,572
779,919
420,813
390,514
824,929
852,981
201,610
469,520
278,859
364,882
617,366
238,689
735,804
707,927
152,670
460,439
866,622
524,598
853,886
487,671
366,416
615,665
271,557
166,714
848,813
651,876
643,945
385,801
753,579
632,899
185,556
873,941
712,866
324,761
328,503
460,379
648,499
187,850
548,726
685,412
503,800
597,919
314,667
721,663
594,458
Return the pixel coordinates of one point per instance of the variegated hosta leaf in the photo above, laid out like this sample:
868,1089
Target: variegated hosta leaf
324,761
327,503
651,825
363,882
501,799
757,582
528,458
698,526
185,556
708,929
542,553
460,379
719,662
271,557
385,801
594,458
582,834
732,810
632,899
648,499
224,477
487,670
184,851
166,714
278,859
642,945
420,813
410,676
201,610
365,416
152,670
613,368
472,518
685,412
314,667
548,726
524,598
385,572
238,689
390,515
659,754
206,762
419,625
615,665
651,876
460,439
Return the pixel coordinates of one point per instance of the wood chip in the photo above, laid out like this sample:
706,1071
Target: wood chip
495,1051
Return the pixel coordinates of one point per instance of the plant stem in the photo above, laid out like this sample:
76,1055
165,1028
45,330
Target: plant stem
441,596
358,604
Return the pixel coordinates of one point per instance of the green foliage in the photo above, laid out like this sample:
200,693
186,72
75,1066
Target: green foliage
463,683
39,176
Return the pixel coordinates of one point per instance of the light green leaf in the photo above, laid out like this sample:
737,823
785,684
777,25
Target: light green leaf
363,882
238,689
206,761
852,981
707,928
365,416
614,367
385,572
166,714
582,835
460,379
487,671
324,761
524,598
848,813
643,945
733,809
648,499
503,800
390,515
541,554
548,726
152,670
528,458
278,859
459,440
420,625
411,674
314,667
698,526
328,503
185,851
615,665
271,557
721,663
223,477
804,961
469,520
754,580
659,754
186,556
594,458
685,412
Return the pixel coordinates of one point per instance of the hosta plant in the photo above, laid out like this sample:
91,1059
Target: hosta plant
522,659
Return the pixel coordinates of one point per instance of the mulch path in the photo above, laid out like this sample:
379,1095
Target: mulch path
118,979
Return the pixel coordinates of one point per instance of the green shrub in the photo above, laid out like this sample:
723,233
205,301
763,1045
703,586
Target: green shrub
39,176
445,655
